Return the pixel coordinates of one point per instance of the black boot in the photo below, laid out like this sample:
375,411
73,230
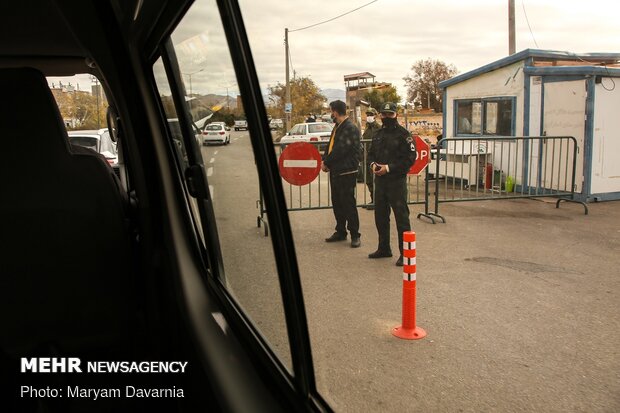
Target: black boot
380,254
336,237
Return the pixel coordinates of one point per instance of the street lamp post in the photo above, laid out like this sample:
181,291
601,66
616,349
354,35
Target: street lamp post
287,101
190,79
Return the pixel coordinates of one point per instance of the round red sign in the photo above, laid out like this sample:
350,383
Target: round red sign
299,163
423,156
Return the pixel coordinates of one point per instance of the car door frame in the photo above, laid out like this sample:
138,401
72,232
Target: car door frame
301,387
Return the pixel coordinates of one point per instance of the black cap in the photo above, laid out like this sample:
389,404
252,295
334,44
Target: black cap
388,107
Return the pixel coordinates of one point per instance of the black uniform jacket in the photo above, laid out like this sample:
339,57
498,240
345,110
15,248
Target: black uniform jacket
394,147
346,151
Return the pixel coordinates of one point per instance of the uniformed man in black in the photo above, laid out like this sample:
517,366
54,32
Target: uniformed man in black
341,159
372,127
391,155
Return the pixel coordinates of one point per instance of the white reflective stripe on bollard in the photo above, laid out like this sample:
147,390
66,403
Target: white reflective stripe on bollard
409,277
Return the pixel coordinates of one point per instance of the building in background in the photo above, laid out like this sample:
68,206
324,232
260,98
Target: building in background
356,86
545,93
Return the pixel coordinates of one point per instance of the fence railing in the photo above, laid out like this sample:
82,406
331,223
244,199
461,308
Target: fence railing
475,169
317,194
463,169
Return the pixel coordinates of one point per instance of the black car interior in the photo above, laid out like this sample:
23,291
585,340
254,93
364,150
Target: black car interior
83,272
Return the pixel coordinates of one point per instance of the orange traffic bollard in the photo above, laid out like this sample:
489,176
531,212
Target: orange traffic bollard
408,330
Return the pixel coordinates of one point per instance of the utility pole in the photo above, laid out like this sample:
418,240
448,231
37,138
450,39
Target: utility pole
511,27
96,82
288,84
190,79
227,87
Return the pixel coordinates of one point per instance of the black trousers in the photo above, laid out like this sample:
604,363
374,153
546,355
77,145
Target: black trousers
343,201
391,194
370,179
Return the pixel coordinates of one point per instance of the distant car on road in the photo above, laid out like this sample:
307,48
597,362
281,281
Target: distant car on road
309,132
216,133
241,124
98,140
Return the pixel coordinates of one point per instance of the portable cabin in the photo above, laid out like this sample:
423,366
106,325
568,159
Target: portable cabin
537,93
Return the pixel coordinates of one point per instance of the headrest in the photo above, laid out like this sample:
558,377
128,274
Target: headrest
30,122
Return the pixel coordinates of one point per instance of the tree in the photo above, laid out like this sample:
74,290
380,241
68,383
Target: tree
81,111
306,97
224,115
423,82
378,96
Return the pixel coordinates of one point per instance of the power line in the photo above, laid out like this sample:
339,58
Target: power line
528,24
333,18
613,83
290,59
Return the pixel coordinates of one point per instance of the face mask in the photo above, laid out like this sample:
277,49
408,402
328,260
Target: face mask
390,121
370,119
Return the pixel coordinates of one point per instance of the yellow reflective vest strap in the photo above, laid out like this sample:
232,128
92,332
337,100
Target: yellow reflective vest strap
331,139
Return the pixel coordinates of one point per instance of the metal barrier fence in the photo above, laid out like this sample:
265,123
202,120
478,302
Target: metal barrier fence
475,169
464,169
317,194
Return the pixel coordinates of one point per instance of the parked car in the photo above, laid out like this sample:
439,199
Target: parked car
97,140
276,124
309,132
216,133
241,124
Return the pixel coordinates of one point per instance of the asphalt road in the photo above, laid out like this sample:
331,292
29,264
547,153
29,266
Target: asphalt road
248,255
519,299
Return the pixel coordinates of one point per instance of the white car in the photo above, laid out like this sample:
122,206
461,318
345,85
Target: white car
276,124
241,124
97,140
309,132
216,133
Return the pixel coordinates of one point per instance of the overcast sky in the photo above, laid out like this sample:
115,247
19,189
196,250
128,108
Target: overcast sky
388,36
384,38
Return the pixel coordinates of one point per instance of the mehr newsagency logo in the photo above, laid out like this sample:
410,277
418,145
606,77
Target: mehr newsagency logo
74,365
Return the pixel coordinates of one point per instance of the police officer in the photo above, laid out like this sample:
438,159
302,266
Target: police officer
391,155
372,126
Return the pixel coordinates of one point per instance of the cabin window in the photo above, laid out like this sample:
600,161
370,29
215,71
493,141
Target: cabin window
485,116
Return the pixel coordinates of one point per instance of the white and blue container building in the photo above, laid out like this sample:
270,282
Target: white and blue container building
546,93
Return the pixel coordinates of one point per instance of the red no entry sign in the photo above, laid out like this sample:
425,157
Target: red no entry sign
300,163
423,156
